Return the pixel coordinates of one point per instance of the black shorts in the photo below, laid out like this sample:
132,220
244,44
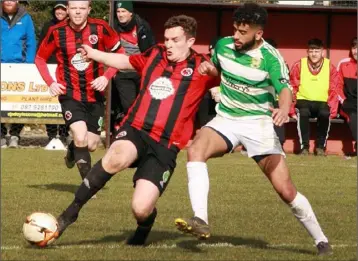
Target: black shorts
91,113
155,163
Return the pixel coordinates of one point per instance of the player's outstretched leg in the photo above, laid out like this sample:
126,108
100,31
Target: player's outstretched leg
275,168
94,181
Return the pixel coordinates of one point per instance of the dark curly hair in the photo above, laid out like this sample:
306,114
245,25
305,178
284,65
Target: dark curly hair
188,24
315,43
252,14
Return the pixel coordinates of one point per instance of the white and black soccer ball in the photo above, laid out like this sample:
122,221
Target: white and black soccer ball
40,229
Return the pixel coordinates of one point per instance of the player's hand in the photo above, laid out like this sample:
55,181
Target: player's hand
86,52
206,68
100,83
57,89
215,93
279,116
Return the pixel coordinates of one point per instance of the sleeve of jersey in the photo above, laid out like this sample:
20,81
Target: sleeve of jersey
112,43
279,74
214,58
45,50
138,61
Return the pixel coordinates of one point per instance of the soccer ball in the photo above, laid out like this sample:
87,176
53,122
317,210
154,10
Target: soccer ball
40,229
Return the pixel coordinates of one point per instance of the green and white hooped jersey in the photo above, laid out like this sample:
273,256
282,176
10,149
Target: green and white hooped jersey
250,81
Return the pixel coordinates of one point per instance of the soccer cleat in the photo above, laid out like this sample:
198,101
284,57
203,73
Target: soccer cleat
320,152
70,158
195,226
63,223
324,249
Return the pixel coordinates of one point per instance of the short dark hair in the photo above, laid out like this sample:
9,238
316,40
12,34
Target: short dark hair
252,14
315,43
354,42
188,24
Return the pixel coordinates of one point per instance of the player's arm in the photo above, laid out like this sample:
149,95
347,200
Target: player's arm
280,81
45,50
112,43
116,60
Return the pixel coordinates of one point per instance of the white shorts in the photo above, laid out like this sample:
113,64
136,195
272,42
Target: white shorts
256,134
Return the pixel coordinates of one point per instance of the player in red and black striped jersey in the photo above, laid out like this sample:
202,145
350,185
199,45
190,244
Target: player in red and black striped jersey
157,126
79,83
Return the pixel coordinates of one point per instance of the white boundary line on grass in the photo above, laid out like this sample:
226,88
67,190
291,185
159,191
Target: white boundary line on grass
167,246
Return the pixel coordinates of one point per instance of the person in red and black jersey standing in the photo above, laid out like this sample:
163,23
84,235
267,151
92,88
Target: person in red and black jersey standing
347,89
158,125
79,84
136,37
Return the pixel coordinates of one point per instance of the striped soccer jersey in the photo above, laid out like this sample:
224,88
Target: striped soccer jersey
249,80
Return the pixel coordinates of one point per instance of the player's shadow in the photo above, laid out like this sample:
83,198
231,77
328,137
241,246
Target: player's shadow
72,188
154,237
195,245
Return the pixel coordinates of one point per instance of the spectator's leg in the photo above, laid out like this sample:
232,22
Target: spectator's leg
115,105
353,126
3,134
15,130
51,130
323,125
3,130
303,124
127,91
202,116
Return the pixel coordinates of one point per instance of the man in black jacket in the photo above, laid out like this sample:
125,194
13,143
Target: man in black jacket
59,13
136,37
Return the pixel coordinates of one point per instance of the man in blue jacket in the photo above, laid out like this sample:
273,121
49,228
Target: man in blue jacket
18,45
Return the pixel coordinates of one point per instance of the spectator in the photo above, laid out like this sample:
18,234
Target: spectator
313,79
59,13
347,89
206,111
136,37
18,45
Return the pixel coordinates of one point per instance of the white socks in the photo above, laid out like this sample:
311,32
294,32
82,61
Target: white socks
302,210
198,184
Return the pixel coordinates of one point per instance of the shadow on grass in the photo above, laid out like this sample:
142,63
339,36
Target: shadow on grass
195,245
72,188
192,245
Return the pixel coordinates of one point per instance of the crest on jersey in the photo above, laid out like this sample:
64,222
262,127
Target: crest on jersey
161,88
93,39
68,115
134,34
255,63
187,72
79,63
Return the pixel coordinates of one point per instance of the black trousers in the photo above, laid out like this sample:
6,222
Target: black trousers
15,130
124,92
206,111
312,109
350,108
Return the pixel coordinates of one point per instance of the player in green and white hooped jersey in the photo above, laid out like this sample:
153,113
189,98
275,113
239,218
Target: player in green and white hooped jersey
252,72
